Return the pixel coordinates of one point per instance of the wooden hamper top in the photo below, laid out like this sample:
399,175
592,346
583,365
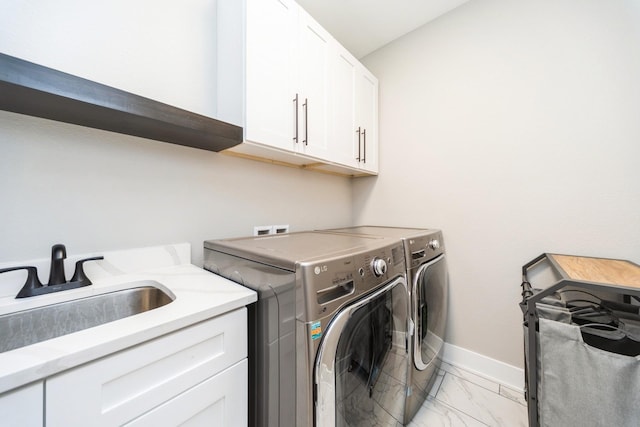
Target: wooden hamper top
599,270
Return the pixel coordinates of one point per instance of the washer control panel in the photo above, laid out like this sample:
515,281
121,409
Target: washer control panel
330,283
423,248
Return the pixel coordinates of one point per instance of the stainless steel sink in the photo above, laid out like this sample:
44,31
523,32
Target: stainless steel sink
31,326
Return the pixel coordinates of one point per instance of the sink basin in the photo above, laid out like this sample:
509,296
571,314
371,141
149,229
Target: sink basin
31,326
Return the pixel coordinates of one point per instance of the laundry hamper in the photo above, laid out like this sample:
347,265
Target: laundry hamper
582,341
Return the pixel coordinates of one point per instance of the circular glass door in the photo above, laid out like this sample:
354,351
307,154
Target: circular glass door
366,345
429,296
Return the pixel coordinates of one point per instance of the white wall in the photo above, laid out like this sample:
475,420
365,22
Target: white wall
96,190
162,50
514,127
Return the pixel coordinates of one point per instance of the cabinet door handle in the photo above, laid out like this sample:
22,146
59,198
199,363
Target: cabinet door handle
306,121
359,143
295,113
364,148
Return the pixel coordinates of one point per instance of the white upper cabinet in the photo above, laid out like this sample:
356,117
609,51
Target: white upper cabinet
271,72
354,112
314,50
287,78
343,107
296,91
367,119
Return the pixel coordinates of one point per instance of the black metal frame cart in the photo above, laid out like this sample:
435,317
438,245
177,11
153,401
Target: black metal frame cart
582,362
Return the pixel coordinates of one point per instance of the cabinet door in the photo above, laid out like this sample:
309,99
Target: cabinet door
343,108
23,407
314,46
367,118
271,72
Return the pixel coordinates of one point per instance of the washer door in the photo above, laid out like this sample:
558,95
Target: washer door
362,362
429,294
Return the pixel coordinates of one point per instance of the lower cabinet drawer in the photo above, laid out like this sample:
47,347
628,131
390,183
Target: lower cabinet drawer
117,389
219,401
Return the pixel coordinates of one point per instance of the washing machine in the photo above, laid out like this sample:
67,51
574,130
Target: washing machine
428,285
329,334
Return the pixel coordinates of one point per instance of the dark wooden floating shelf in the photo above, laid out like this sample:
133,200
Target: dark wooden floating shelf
32,89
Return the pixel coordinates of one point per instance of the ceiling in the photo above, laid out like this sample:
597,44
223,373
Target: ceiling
363,26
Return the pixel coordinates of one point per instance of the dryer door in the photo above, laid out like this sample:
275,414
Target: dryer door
429,294
362,362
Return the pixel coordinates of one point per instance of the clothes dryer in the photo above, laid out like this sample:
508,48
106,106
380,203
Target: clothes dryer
427,277
329,333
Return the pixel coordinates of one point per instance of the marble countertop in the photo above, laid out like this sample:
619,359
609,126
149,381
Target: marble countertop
200,295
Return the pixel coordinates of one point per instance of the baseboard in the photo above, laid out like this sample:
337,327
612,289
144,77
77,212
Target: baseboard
494,370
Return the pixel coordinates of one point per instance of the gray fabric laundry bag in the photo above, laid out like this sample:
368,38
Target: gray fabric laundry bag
584,386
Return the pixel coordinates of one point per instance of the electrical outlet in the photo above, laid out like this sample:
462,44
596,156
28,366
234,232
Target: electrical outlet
261,230
279,229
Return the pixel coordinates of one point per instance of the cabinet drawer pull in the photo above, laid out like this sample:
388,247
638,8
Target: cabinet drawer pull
364,144
306,121
359,143
295,113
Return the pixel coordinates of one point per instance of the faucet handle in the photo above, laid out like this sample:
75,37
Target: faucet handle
79,275
32,282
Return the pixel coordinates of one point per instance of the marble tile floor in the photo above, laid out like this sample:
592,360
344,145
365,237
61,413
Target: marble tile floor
462,399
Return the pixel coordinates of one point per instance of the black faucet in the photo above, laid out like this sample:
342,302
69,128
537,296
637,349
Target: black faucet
56,272
57,279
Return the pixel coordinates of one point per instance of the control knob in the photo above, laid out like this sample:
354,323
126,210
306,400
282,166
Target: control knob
434,244
378,266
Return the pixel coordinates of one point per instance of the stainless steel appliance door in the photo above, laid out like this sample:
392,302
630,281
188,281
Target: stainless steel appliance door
429,299
362,362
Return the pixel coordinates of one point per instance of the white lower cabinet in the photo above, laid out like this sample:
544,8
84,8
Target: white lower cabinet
22,407
196,376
